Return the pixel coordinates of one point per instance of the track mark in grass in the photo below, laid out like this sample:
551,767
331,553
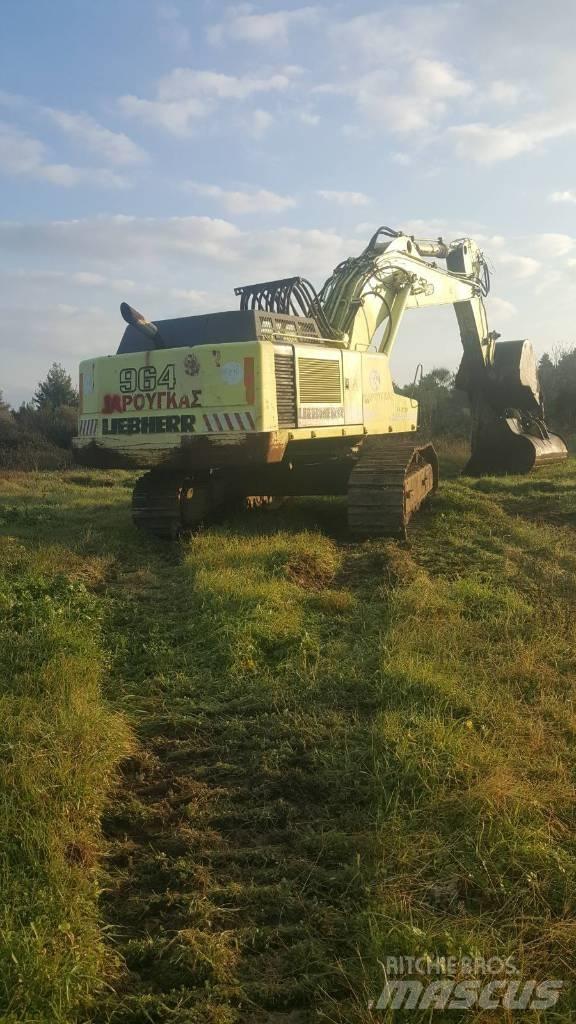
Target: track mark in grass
242,841
338,770
346,751
27,514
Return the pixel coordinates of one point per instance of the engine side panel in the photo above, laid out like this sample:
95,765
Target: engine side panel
232,403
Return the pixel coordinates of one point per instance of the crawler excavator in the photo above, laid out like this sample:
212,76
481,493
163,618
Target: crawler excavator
291,394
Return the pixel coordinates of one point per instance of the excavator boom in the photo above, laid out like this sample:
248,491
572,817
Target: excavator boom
397,272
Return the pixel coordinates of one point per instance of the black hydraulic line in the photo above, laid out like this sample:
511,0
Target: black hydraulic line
296,296
290,296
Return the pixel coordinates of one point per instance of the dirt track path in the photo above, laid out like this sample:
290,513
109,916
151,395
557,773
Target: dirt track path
239,839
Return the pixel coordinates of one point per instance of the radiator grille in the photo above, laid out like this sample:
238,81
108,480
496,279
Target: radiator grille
319,380
285,389
291,327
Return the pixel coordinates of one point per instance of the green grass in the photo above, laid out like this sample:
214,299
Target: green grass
58,746
340,752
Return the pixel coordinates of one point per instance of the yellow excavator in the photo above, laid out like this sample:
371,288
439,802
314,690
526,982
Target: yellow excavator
291,394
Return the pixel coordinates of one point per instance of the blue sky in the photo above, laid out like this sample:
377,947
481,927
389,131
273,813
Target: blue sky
164,152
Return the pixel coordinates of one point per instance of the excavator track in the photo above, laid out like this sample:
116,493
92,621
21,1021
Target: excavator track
166,504
389,482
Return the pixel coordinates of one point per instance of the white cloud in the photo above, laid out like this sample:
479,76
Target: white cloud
172,27
344,198
186,95
254,201
184,83
259,123
115,147
504,92
84,277
121,245
567,196
403,159
374,38
20,154
13,100
364,228
552,245
122,284
487,144
149,249
191,296
490,241
273,27
402,113
405,75
309,118
550,280
171,266
501,309
437,78
47,280
163,266
408,97
174,117
67,310
520,266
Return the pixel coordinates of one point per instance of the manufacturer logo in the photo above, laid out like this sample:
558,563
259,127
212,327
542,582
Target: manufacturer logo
149,425
191,365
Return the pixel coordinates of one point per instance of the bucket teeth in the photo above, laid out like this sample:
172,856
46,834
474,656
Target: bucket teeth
507,446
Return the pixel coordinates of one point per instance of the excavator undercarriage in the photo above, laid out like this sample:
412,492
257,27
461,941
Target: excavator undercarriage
386,482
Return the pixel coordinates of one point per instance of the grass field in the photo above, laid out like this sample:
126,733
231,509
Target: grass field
239,772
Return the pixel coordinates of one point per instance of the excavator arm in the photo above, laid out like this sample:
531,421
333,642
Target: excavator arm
361,306
395,274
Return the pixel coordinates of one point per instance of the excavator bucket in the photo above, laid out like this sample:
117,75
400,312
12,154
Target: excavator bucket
509,434
511,445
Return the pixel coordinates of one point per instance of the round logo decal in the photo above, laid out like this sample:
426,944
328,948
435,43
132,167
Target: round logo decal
232,373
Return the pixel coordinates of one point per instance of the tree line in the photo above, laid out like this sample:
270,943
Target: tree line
38,435
444,410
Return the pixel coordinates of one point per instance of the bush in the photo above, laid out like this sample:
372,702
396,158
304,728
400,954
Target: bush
39,435
442,409
23,448
56,425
